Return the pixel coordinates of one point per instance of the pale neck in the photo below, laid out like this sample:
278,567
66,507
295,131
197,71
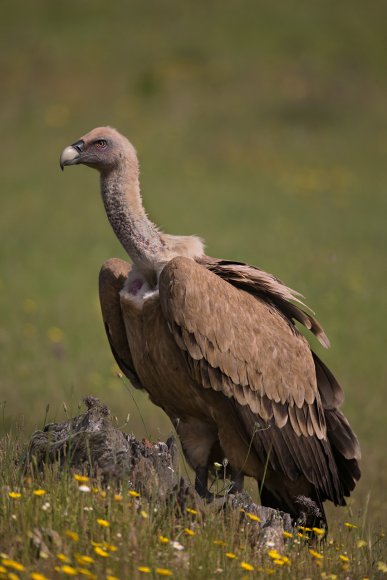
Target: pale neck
121,196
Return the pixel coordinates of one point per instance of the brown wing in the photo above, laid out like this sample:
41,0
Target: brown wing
343,444
112,277
240,345
244,346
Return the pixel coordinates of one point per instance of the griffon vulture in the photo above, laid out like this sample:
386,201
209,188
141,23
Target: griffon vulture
214,343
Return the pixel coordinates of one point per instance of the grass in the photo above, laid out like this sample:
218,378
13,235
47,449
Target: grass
261,128
64,524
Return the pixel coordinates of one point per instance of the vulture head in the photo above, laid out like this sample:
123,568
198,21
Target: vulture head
103,148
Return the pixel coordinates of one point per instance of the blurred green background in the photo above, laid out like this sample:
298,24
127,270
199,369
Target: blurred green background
260,126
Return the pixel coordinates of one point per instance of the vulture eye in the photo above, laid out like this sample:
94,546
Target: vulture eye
101,144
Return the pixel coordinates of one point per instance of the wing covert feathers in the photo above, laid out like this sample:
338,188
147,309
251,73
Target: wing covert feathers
238,344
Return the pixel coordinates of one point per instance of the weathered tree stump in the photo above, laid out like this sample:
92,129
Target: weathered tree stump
90,443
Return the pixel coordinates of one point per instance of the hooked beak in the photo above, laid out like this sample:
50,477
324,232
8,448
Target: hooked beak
72,154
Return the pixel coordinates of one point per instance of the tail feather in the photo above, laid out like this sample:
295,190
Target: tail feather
343,441
345,447
332,395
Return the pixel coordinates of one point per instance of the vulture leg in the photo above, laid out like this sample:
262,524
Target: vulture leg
201,483
237,481
200,444
202,449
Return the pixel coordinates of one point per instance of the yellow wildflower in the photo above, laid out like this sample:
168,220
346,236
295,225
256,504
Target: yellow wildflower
69,570
55,334
117,497
246,566
110,547
231,555
344,558
84,560
103,523
316,554
144,514
163,572
253,517
39,492
12,576
101,552
14,495
163,540
189,532
8,563
279,562
287,535
191,511
319,531
133,493
304,529
382,567
86,572
3,570
110,577
144,569
38,576
63,558
349,525
361,543
72,535
219,543
81,478
278,559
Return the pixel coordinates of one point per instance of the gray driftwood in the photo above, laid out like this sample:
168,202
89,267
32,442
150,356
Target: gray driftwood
90,443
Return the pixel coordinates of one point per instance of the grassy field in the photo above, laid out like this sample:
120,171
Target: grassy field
261,127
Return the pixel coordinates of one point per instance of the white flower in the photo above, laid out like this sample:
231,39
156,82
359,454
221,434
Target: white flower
177,545
84,488
46,506
87,509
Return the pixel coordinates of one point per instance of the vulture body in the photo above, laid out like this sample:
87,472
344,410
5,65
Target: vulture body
214,344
